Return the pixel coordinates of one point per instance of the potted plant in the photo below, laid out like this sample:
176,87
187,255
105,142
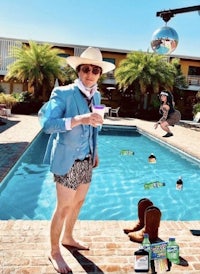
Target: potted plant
9,101
196,107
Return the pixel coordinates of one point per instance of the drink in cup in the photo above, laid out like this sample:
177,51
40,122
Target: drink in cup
100,109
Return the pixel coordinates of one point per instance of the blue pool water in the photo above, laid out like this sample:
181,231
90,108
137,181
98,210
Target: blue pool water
118,183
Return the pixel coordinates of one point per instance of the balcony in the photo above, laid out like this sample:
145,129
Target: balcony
109,79
193,83
193,80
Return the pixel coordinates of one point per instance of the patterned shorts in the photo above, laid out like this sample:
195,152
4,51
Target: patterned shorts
174,118
80,173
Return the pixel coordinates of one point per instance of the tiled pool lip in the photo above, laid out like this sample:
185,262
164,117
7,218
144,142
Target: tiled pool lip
123,127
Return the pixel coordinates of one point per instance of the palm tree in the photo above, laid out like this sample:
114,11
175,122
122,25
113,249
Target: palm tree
39,64
68,76
146,73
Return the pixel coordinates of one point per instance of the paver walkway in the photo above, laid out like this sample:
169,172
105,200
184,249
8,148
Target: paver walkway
24,245
15,136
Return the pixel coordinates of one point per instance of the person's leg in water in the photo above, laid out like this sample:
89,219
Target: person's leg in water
165,126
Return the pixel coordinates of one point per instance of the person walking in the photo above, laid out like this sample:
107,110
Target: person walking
72,147
170,115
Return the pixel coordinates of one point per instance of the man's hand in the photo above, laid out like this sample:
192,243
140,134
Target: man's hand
156,125
96,161
92,119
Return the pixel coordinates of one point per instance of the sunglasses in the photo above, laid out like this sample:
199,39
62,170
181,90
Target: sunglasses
94,69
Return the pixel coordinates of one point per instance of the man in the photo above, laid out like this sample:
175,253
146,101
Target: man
72,147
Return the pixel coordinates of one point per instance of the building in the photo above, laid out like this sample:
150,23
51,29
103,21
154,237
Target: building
6,45
190,66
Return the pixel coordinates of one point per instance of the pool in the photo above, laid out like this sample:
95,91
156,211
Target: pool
28,191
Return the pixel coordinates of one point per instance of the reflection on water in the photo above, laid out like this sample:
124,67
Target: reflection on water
117,185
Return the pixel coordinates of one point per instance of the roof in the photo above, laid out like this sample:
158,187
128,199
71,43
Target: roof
101,48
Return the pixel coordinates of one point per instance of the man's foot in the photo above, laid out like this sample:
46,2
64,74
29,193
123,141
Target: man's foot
59,264
73,244
169,134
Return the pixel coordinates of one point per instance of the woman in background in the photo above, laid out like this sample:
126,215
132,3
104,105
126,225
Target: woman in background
170,115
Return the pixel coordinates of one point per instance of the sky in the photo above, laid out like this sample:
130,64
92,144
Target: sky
114,24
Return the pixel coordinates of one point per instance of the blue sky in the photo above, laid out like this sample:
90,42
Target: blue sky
118,24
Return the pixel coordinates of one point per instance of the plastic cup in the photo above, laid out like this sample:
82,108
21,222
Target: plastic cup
100,109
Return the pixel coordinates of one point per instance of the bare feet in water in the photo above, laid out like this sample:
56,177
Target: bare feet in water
59,264
72,243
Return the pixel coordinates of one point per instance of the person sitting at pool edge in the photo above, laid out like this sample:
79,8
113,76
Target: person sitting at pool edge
72,147
170,115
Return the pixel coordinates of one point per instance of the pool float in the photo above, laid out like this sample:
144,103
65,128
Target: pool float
126,152
155,184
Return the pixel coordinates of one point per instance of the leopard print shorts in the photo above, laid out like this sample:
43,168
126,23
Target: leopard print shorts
80,173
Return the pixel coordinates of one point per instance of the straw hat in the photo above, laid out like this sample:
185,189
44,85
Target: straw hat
91,56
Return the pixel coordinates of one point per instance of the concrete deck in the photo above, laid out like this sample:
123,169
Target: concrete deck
24,245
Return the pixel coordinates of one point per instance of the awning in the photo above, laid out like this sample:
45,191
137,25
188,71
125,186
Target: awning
192,88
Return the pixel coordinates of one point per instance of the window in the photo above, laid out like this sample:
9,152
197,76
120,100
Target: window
110,74
63,55
111,60
194,71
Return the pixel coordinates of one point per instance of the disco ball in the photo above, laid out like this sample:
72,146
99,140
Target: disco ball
164,40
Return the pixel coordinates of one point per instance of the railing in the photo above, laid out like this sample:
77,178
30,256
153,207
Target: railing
193,80
6,48
110,75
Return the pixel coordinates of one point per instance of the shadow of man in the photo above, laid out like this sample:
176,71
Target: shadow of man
86,264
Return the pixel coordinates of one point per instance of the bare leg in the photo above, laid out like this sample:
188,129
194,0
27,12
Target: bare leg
165,127
64,197
72,216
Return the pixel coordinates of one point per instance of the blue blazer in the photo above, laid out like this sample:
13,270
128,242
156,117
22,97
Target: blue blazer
64,145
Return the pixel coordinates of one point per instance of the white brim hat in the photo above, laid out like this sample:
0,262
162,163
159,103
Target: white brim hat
91,56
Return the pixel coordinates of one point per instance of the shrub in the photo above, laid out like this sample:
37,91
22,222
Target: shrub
8,100
24,96
196,108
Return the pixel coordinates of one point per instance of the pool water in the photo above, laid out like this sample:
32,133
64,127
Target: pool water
28,192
